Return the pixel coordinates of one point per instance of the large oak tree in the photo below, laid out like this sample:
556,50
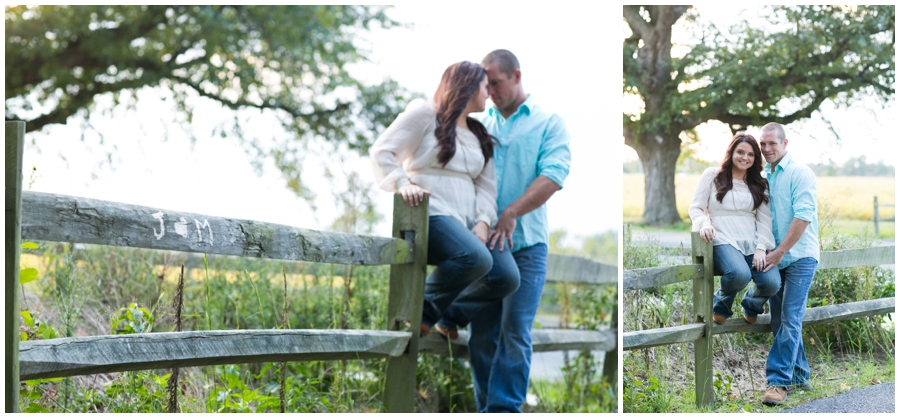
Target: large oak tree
290,61
753,74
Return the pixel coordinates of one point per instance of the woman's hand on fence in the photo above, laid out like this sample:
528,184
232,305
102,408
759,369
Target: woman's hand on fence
413,194
708,233
481,231
759,260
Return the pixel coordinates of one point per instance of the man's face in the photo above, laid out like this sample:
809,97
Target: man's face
772,148
501,88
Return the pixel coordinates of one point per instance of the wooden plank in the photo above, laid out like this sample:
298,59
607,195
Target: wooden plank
407,291
813,316
15,140
703,294
542,340
873,256
634,340
53,217
572,269
116,353
659,276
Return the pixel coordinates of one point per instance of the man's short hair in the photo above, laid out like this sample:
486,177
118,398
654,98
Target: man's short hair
505,60
774,127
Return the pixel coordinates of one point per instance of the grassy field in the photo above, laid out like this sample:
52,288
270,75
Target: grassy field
850,197
842,355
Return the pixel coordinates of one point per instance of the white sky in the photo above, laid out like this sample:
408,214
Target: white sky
865,128
570,63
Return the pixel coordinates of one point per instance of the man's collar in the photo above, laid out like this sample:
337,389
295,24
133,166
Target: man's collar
783,163
525,108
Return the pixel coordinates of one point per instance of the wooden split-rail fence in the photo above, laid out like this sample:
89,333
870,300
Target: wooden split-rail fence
51,217
876,217
700,332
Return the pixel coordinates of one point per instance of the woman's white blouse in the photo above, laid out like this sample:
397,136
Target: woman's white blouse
466,188
734,219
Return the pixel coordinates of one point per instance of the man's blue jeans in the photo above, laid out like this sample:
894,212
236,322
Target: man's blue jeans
500,338
786,365
735,269
459,288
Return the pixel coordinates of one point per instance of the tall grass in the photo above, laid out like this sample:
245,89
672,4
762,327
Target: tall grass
852,196
81,288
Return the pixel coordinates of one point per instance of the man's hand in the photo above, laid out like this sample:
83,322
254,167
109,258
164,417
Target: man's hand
504,231
773,258
481,231
413,194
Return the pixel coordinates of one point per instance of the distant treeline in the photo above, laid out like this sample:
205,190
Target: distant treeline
856,166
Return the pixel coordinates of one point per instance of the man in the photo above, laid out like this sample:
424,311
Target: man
532,160
792,191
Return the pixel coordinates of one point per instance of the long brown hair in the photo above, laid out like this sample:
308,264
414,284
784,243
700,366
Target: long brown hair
754,179
457,86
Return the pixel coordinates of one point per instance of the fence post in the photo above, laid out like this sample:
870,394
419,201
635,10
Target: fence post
611,359
407,288
876,216
15,138
702,253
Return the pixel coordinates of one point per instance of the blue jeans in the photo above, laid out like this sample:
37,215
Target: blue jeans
735,269
786,364
500,338
459,287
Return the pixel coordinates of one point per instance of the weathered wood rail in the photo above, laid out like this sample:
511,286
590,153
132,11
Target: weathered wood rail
700,333
51,217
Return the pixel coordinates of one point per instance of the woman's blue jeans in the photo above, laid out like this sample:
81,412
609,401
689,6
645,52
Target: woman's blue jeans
786,364
735,269
459,288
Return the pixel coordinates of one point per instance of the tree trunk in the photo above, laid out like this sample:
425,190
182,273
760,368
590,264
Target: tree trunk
658,159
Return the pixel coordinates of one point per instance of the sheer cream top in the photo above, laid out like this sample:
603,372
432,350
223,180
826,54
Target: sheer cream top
734,219
406,153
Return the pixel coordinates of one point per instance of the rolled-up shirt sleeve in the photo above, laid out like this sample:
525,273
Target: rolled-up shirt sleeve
398,143
555,158
803,195
699,209
486,195
764,239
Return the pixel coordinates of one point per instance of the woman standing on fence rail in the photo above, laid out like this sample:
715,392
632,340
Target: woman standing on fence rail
434,148
730,208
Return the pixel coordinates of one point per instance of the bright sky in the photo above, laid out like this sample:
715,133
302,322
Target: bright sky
864,129
569,66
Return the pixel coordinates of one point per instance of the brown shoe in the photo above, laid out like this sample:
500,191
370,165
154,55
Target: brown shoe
424,330
775,395
750,319
447,333
719,319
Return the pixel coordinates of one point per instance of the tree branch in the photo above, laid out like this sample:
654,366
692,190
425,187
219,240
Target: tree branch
239,104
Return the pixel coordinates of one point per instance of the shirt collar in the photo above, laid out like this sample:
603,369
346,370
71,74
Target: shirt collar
783,163
525,108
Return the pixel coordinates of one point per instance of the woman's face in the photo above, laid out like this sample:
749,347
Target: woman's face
743,156
476,103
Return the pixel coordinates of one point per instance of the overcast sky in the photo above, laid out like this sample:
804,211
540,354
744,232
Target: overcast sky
570,63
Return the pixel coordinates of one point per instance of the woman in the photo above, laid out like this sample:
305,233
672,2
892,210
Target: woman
436,149
730,208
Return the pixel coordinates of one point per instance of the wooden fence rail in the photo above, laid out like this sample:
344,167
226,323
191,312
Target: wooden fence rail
51,217
703,328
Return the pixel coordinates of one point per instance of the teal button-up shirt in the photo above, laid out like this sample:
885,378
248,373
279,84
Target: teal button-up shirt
792,194
532,142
